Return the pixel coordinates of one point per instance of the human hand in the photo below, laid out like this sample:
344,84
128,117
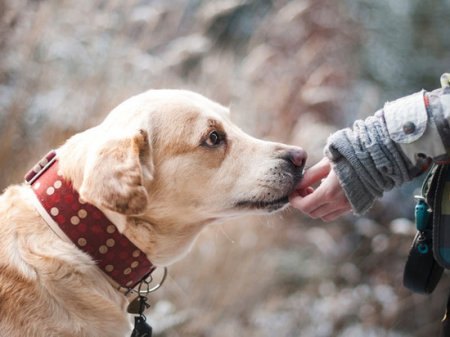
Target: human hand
328,202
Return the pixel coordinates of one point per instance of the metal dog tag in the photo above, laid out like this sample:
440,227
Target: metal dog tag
135,306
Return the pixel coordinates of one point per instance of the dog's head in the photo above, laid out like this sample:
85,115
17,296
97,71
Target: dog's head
174,157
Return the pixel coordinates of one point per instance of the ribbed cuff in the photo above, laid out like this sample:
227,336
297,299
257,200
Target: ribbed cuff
358,196
349,169
367,162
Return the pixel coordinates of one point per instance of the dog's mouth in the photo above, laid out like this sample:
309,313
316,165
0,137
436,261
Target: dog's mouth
269,205
275,203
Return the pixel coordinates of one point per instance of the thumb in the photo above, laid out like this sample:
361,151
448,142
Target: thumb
315,173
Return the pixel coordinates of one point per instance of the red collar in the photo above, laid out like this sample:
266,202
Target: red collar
86,226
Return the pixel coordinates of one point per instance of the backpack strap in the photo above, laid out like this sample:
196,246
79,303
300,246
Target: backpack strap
437,189
422,273
439,198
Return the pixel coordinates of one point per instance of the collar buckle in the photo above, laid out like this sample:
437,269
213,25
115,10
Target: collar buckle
144,288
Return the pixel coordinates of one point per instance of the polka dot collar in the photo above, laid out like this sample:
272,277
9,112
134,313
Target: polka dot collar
86,226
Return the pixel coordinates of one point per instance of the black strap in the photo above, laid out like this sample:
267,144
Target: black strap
441,215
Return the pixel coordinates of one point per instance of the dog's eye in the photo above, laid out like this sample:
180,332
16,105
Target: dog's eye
214,139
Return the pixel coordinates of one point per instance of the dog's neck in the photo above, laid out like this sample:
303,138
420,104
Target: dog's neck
160,240
86,226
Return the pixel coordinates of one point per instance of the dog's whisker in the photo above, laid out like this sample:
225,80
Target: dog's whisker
178,286
226,235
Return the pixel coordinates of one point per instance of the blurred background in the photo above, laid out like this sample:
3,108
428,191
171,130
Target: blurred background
291,71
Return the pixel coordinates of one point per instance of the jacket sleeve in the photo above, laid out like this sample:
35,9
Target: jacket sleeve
391,147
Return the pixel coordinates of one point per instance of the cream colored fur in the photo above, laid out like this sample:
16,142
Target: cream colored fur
151,167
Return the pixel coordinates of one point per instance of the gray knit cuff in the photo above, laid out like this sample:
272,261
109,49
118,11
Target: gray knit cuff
359,196
367,162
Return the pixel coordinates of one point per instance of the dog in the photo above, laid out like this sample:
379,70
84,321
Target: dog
158,169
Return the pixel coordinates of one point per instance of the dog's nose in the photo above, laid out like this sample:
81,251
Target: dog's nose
297,156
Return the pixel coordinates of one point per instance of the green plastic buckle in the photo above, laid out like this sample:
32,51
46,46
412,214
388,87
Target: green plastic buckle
422,214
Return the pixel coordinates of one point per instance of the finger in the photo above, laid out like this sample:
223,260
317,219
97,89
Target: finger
305,204
324,210
335,215
315,173
303,192
306,191
319,198
330,203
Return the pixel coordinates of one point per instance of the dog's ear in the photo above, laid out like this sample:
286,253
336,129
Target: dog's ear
117,173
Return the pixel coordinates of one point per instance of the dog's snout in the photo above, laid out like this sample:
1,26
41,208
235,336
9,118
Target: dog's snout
296,156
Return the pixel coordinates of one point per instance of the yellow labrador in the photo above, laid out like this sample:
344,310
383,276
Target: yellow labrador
161,166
